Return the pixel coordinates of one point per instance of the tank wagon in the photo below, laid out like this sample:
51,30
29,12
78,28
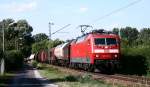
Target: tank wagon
62,54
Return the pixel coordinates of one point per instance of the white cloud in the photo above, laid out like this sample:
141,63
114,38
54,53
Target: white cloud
18,7
83,9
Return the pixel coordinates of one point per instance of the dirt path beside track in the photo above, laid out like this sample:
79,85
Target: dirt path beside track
30,77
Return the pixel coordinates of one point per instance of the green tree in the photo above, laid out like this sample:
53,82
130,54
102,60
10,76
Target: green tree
144,36
45,45
40,37
36,47
4,26
129,35
17,35
116,31
14,59
57,42
24,37
18,41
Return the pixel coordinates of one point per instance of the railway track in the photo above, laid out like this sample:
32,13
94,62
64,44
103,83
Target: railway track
125,80
116,79
139,79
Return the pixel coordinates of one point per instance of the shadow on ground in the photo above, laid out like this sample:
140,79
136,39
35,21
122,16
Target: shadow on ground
5,80
39,82
65,79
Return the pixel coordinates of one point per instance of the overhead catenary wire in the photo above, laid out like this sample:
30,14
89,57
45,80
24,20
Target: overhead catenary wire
113,12
61,29
116,10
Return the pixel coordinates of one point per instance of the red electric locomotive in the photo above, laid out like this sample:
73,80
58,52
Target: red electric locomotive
97,49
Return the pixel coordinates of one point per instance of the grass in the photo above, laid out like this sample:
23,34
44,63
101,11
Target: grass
6,79
64,80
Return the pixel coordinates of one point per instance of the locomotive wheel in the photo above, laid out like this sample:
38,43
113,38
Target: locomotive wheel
76,65
88,67
111,68
67,64
102,68
91,68
108,69
85,67
71,65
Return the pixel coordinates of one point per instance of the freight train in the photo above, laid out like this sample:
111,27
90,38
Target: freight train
95,50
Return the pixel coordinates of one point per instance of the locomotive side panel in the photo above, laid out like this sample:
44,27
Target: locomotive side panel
80,50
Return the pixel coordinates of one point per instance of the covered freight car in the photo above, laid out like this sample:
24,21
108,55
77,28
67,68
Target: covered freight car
43,56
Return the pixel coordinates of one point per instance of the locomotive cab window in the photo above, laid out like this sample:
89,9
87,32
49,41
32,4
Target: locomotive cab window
111,41
105,41
99,41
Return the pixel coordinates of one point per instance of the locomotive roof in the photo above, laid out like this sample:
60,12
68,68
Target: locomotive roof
62,45
101,32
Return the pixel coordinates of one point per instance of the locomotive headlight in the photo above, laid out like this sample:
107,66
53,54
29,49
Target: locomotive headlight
116,55
96,55
106,47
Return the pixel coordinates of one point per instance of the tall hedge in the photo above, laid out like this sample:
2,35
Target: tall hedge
135,61
14,59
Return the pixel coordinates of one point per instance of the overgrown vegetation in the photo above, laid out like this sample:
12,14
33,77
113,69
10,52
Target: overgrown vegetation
13,59
135,51
45,44
17,35
65,80
135,61
38,65
18,40
131,37
34,63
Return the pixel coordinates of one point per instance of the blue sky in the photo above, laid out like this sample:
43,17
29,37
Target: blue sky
76,12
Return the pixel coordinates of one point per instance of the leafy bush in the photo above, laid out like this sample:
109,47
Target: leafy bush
134,64
135,61
14,59
41,66
85,78
71,78
36,47
34,64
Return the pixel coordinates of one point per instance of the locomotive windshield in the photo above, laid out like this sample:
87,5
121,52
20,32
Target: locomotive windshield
105,41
